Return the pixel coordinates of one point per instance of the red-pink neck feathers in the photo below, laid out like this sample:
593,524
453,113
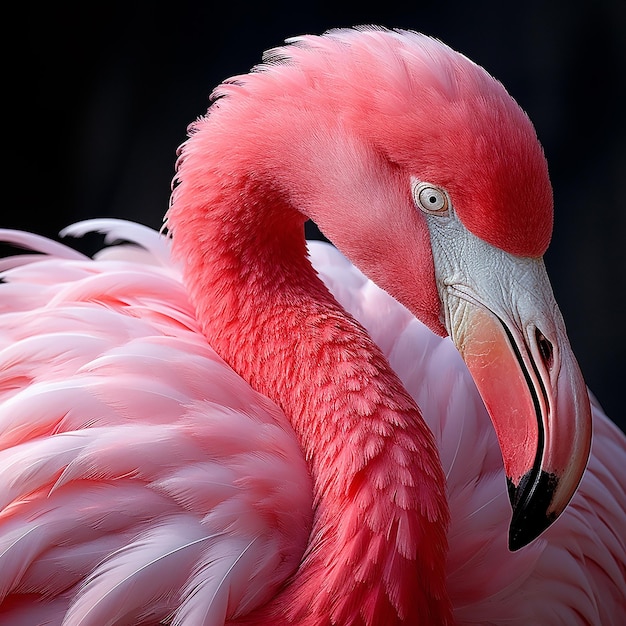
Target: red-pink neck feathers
333,128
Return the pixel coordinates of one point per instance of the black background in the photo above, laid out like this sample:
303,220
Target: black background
107,91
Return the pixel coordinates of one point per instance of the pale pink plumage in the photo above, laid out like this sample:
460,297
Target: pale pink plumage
208,484
144,481
153,467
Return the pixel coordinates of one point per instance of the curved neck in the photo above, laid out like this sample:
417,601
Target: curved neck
378,543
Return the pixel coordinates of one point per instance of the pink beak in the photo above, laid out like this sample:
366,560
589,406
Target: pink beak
499,310
537,399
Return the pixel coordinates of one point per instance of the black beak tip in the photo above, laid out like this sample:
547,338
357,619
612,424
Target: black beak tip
530,501
524,531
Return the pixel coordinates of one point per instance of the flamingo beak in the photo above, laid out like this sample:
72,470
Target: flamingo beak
500,311
536,397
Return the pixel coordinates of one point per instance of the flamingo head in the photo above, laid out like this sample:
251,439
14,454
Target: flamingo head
421,168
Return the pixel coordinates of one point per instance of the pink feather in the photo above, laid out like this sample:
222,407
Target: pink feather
144,481
185,514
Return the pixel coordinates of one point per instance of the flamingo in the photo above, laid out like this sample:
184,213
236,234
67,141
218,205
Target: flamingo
223,424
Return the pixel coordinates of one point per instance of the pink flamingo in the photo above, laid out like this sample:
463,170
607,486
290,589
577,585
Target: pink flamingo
213,438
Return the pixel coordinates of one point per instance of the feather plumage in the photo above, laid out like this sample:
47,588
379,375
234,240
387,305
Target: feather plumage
198,509
308,474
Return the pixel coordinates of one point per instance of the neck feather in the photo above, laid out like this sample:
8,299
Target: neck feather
377,549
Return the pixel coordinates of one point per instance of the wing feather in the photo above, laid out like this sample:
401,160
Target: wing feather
135,463
143,472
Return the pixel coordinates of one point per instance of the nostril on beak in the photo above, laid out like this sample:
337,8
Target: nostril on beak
545,349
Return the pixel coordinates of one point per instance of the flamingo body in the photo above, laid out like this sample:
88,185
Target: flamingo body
221,427
200,506
71,478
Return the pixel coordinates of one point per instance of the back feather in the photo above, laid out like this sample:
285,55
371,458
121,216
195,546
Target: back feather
143,481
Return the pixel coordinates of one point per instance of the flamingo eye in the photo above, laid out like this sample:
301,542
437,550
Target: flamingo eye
430,199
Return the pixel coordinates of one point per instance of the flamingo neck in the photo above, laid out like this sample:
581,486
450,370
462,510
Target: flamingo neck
377,548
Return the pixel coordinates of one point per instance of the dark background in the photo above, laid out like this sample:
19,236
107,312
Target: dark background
110,89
